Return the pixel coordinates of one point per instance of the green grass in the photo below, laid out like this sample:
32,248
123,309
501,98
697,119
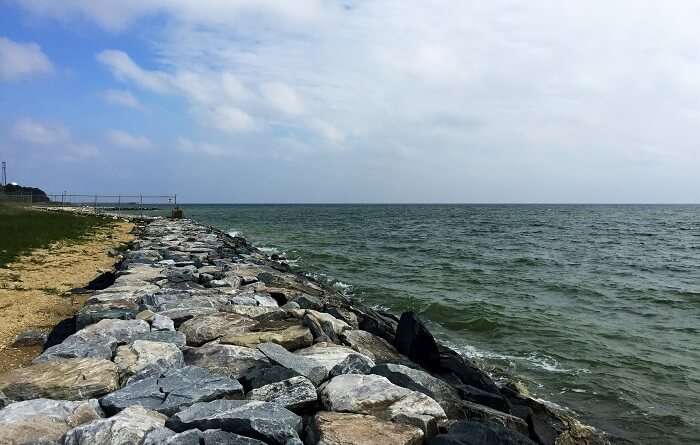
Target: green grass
23,229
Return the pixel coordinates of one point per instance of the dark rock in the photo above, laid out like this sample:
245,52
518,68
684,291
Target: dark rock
64,329
483,414
102,281
115,309
490,399
165,436
306,366
353,364
379,324
177,338
296,394
173,390
473,433
264,421
451,362
227,360
30,337
306,301
372,346
265,374
317,331
416,342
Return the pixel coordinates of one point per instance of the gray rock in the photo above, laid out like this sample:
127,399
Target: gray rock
69,379
226,360
291,335
329,428
174,337
244,300
306,366
353,364
474,433
295,394
165,436
145,358
44,421
31,337
4,400
173,390
372,346
266,374
347,316
483,414
181,315
123,330
331,326
377,396
268,422
160,322
180,274
306,301
251,311
421,381
328,354
128,427
291,305
115,309
205,328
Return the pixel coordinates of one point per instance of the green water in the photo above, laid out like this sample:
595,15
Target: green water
597,308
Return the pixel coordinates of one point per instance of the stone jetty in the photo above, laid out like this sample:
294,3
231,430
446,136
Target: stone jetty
200,338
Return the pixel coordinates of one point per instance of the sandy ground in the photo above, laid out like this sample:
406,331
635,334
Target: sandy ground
33,288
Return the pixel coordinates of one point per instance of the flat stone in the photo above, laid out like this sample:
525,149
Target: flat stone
370,345
306,301
421,381
115,309
265,374
128,427
145,358
264,421
295,394
160,322
205,328
291,336
44,421
244,300
353,364
330,428
165,436
174,337
306,366
31,337
327,354
251,311
227,360
181,315
474,433
169,392
377,396
68,379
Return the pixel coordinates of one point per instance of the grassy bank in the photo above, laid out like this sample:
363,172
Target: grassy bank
23,229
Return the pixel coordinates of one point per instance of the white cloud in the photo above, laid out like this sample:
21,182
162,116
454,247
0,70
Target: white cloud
122,98
54,137
282,98
208,149
124,68
126,140
21,60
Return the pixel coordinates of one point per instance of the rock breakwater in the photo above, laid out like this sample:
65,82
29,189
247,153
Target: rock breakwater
204,339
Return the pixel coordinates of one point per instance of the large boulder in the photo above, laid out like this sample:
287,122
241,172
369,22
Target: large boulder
44,421
353,364
69,379
265,374
453,365
165,436
128,427
376,395
372,346
295,394
483,414
205,328
330,428
328,354
290,335
173,390
113,309
144,358
264,421
174,337
416,342
227,360
474,433
421,381
306,366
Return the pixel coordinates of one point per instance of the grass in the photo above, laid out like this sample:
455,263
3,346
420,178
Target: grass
23,229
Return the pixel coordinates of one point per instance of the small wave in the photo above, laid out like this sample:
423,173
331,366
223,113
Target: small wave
270,250
234,233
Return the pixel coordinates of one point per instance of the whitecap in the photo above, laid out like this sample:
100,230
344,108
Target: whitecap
234,233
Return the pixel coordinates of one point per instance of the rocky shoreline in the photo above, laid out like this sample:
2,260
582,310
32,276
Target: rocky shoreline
200,338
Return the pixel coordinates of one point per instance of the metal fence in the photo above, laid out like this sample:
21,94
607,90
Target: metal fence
96,203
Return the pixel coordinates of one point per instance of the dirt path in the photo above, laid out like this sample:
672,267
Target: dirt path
32,289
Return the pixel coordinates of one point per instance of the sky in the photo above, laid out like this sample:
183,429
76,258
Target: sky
280,101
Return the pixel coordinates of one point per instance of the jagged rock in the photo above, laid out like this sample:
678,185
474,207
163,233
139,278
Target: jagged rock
179,316
290,335
174,337
376,395
425,383
353,364
452,363
172,299
144,358
330,428
181,274
165,436
265,374
251,311
416,342
244,300
123,330
31,337
473,433
44,421
372,346
69,379
289,281
128,427
227,360
345,315
327,354
308,367
295,394
115,309
316,330
483,414
379,323
173,390
476,395
331,326
265,300
205,328
268,422
306,301
160,322
4,400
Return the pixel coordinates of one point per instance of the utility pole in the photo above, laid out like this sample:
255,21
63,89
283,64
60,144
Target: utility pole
4,173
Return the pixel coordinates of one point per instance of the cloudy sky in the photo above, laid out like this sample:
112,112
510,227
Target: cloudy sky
354,100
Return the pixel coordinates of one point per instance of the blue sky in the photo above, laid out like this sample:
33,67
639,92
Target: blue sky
353,101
